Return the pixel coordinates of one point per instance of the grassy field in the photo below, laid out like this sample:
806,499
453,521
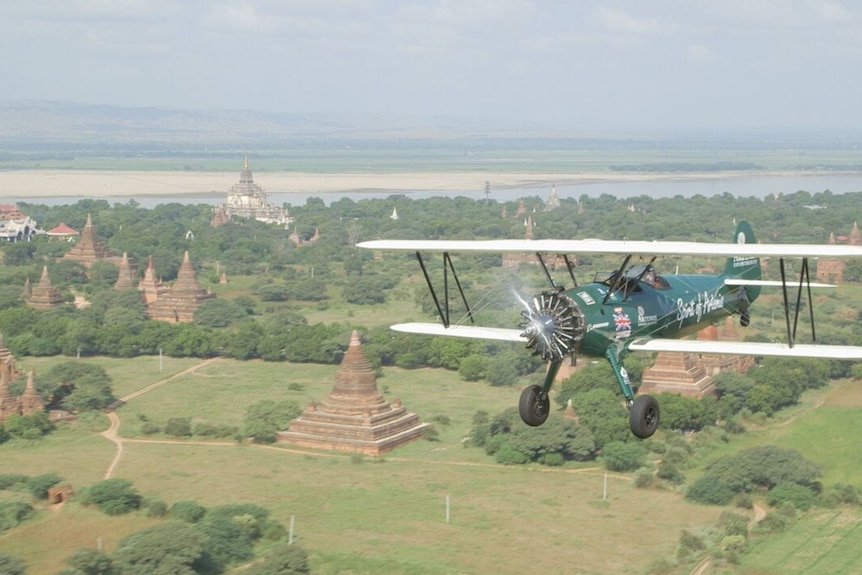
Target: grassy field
825,542
360,515
357,515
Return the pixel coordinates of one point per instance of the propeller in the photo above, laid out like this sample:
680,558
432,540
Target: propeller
553,325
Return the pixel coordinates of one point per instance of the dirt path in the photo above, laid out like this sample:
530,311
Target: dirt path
111,434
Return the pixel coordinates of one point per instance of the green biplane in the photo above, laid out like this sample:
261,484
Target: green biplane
634,308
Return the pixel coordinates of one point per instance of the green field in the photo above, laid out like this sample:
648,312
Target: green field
357,515
360,515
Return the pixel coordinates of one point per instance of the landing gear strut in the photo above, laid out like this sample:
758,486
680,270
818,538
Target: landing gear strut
535,405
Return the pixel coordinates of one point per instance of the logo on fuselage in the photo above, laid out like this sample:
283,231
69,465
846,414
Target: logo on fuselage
705,303
645,320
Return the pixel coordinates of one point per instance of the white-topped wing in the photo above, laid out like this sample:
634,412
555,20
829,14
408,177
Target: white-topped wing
771,283
644,248
749,348
468,331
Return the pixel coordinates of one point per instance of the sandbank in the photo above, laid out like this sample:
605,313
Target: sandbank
18,185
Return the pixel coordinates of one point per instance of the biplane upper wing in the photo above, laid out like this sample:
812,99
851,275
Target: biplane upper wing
748,348
635,248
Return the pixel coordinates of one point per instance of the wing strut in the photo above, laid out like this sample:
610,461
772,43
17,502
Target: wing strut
619,280
804,279
443,311
545,269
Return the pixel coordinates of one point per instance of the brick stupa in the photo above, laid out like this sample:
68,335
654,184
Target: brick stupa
354,416
125,278
179,303
89,248
43,295
692,374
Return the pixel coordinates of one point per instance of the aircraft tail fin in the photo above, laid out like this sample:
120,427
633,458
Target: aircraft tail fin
743,267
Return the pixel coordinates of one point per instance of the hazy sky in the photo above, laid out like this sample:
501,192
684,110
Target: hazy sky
650,65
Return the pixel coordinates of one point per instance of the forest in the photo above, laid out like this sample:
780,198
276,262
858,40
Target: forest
274,285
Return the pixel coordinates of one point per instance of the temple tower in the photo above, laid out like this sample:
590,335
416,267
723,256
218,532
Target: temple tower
150,288
125,279
45,295
179,303
246,199
553,200
8,404
30,401
7,360
89,248
354,416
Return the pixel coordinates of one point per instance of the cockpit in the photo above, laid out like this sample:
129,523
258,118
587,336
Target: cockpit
633,279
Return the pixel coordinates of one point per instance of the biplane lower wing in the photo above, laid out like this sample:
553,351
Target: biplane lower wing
464,331
755,348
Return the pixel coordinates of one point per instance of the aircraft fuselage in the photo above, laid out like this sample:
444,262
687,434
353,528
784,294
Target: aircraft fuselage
681,305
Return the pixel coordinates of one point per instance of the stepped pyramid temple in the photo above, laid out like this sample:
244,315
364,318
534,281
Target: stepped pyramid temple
89,249
245,199
178,303
43,295
354,416
692,374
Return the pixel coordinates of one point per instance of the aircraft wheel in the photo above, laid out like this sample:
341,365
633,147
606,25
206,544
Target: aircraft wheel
644,416
535,405
744,319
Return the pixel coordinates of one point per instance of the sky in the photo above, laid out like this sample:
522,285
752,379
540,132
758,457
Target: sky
646,66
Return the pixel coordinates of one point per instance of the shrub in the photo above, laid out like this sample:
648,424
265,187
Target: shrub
710,490
38,486
188,511
10,480
800,496
623,456
113,496
178,427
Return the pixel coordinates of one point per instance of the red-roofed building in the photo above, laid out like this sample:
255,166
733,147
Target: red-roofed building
62,231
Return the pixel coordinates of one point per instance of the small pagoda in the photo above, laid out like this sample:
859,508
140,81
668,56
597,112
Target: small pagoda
28,403
354,416
43,295
179,303
125,278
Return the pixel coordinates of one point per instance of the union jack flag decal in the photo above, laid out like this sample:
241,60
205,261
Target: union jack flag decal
622,322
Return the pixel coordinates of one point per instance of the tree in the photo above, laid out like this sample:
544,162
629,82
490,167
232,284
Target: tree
285,560
219,313
178,427
113,496
170,548
188,511
80,386
90,562
554,442
620,456
264,418
710,490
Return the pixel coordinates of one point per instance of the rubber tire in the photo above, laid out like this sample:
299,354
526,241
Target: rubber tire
535,406
744,319
644,416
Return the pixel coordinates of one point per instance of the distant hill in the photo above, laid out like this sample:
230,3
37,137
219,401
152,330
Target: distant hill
66,124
